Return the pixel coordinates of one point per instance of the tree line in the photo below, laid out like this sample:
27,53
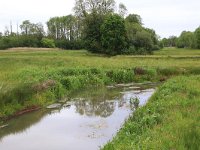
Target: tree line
187,39
95,26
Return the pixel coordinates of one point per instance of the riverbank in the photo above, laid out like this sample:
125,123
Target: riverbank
55,84
170,120
90,118
39,78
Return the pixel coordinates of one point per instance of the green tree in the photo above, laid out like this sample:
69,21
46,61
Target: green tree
113,35
132,29
186,40
153,34
29,28
165,42
169,42
91,14
84,7
144,41
26,27
52,28
133,25
172,41
140,38
134,18
92,33
65,27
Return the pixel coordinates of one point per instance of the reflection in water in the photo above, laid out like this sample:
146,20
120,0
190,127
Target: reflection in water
22,123
94,117
102,102
91,108
96,101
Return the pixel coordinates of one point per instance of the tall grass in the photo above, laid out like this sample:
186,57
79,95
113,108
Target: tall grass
170,120
22,71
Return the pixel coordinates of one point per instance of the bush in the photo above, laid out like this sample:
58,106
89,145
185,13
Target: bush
121,76
48,43
130,51
20,41
73,82
72,45
4,43
145,74
156,48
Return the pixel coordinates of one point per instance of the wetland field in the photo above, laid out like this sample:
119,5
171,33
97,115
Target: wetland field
95,91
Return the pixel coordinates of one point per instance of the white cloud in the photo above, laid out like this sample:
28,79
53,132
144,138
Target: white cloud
168,17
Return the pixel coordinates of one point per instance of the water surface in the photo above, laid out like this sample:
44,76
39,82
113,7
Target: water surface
93,118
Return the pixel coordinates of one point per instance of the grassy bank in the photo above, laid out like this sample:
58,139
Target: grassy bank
40,77
34,87
170,120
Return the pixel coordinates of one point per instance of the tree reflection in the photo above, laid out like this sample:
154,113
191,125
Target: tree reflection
91,108
93,102
99,102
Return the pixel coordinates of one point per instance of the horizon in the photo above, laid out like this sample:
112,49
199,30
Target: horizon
173,17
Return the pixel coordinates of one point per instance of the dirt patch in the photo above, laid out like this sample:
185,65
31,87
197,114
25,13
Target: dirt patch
27,110
44,85
139,71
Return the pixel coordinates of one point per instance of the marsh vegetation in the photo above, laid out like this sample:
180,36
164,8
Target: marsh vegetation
116,49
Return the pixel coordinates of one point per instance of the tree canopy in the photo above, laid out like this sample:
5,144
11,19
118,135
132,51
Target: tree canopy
96,25
187,39
113,34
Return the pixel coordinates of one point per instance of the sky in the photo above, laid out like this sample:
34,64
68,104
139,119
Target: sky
166,17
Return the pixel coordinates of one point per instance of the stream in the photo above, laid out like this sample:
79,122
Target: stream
87,121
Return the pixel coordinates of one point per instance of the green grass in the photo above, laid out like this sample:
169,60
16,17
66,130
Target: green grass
175,52
36,77
170,120
25,73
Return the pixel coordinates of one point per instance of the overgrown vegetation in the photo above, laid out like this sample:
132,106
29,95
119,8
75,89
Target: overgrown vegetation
37,78
42,77
32,78
170,120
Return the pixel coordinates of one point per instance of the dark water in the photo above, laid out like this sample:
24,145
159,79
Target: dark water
94,117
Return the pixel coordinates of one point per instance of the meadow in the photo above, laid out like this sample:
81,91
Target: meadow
38,77
24,72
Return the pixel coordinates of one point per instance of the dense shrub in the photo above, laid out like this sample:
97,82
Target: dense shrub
20,41
72,45
121,76
48,43
72,82
37,41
